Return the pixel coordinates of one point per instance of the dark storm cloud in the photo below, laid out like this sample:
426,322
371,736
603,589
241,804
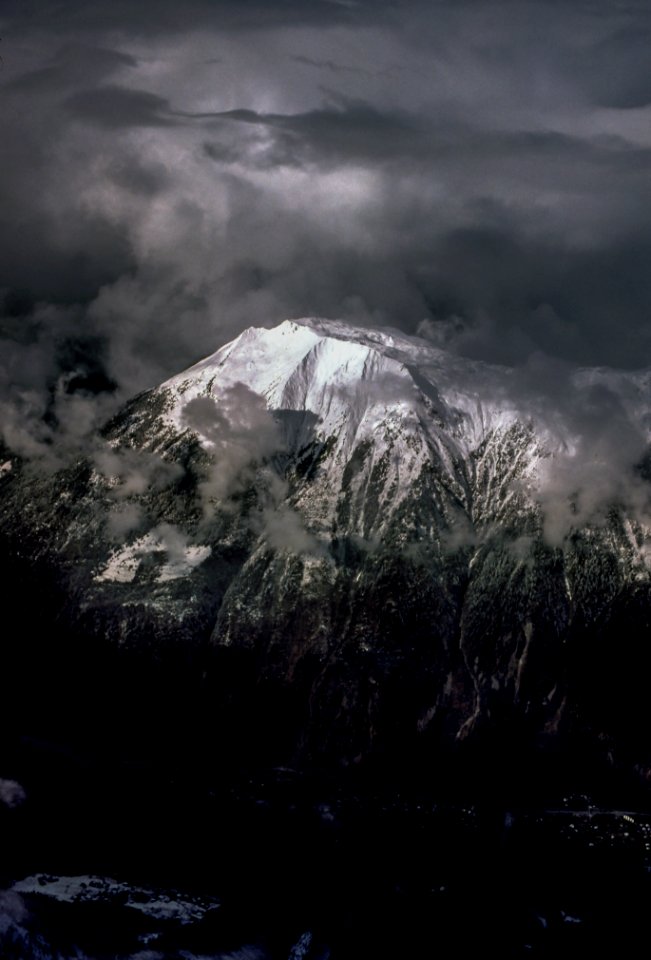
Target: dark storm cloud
115,107
326,137
72,65
164,16
172,173
615,71
350,130
329,65
515,295
53,246
518,276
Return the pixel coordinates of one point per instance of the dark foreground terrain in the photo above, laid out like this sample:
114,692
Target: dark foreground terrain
281,865
187,830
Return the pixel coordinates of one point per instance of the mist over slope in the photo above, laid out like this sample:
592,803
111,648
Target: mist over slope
350,544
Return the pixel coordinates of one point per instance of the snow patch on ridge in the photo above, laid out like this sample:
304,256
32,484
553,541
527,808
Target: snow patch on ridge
341,374
123,564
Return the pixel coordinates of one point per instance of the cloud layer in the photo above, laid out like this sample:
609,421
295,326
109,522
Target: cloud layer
478,172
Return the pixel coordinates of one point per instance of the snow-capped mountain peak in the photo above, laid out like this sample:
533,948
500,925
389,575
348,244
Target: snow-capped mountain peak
360,512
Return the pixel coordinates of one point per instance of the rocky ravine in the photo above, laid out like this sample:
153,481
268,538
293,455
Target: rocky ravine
344,523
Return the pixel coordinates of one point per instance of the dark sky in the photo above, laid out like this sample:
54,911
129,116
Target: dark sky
172,172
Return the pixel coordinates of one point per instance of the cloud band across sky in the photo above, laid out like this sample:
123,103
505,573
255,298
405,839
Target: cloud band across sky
172,173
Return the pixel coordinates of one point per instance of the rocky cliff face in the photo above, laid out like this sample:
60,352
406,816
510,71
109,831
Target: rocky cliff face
352,520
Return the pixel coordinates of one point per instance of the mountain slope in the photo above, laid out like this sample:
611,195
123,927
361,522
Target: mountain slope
346,523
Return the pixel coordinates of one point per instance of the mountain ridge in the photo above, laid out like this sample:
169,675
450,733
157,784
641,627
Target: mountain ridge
354,519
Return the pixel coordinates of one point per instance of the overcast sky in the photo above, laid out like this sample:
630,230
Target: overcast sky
173,172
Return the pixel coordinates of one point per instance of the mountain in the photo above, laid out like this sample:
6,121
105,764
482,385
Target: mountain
342,536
